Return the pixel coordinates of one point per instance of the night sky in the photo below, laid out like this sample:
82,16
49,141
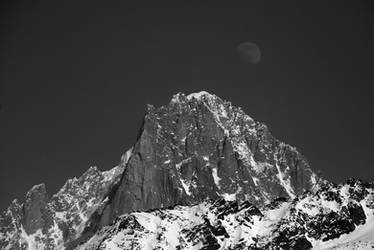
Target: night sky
76,77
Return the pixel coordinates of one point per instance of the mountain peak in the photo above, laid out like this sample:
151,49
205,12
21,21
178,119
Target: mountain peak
199,95
195,148
200,146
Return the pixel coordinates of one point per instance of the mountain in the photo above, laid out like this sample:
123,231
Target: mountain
198,152
334,217
43,222
199,146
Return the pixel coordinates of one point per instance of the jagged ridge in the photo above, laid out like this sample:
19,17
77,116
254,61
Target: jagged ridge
48,223
199,146
321,220
196,147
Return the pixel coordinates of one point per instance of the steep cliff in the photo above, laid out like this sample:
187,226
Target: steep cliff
197,147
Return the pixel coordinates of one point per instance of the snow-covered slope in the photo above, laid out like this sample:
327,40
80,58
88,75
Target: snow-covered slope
335,217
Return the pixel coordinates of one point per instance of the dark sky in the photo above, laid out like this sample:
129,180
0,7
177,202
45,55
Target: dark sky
76,77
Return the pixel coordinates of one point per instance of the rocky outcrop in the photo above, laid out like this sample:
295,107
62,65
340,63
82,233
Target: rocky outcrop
34,209
198,147
41,222
11,227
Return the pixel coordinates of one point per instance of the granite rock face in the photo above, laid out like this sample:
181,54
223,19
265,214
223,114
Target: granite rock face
196,147
35,209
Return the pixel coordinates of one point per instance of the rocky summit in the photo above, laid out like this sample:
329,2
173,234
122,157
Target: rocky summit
202,174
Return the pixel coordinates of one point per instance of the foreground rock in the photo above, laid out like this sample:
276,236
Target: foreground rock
336,216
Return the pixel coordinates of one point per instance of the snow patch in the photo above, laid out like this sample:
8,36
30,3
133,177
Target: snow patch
256,181
229,197
185,187
285,183
125,157
198,95
215,177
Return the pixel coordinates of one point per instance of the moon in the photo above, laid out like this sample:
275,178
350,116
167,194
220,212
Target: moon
249,52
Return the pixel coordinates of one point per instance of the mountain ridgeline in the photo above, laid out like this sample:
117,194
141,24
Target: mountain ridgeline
198,147
189,154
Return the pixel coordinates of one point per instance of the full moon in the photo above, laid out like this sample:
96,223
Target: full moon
249,52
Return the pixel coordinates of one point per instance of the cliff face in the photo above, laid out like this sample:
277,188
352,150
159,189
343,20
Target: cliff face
35,209
198,147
